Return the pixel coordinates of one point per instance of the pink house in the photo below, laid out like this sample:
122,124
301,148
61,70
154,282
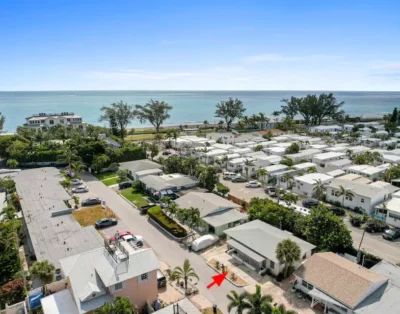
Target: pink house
96,277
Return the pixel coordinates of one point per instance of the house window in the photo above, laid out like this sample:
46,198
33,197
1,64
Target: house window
272,264
51,121
332,193
307,285
230,225
118,286
362,200
144,277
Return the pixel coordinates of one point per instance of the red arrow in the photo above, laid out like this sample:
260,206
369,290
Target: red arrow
217,279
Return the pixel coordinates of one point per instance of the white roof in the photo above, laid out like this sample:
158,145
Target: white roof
230,156
216,152
276,168
391,158
326,127
336,173
59,303
366,169
241,150
340,162
303,153
325,156
284,145
275,149
311,178
304,165
362,189
223,146
318,146
240,160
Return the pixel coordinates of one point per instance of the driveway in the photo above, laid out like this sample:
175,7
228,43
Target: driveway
166,249
240,191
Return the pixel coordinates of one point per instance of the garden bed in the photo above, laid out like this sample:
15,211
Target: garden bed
105,175
167,223
88,216
236,280
134,197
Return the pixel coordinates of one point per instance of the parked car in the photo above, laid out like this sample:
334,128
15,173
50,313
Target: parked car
161,279
373,227
229,175
252,184
337,211
118,235
204,242
132,239
239,179
76,181
125,185
105,222
355,221
309,203
271,191
145,208
391,234
91,201
80,189
166,153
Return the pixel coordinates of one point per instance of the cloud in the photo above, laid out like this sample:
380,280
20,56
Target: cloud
275,57
140,74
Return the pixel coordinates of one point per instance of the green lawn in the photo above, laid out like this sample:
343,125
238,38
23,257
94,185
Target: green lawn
110,181
105,175
135,197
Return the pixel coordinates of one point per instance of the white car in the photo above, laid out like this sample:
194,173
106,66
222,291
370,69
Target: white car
80,189
77,182
252,184
204,242
132,239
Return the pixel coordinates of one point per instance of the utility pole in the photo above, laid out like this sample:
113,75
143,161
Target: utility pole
359,247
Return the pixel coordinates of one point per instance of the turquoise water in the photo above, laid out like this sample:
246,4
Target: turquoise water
189,106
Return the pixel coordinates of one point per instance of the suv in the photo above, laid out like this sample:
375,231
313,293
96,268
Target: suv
271,191
91,201
309,203
355,221
373,227
391,234
125,185
337,211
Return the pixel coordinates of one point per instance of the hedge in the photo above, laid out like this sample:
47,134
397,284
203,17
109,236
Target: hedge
167,223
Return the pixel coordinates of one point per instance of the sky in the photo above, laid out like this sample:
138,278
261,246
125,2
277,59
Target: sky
200,45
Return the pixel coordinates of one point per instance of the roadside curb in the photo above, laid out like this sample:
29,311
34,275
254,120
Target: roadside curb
227,278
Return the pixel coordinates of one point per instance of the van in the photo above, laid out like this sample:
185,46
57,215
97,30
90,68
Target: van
229,175
161,280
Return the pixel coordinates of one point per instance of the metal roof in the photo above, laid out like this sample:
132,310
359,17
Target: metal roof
245,250
253,233
224,217
168,181
139,165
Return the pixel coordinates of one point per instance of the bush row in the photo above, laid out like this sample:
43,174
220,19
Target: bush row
167,223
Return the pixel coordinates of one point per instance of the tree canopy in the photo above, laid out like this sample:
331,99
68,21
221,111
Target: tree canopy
155,112
229,111
118,115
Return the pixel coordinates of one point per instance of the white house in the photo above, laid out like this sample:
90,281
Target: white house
336,149
304,166
306,154
244,144
326,128
358,150
48,120
245,245
322,159
223,146
280,151
224,164
281,138
337,164
209,157
318,146
348,127
389,212
367,171
305,185
391,158
240,151
261,162
236,165
365,196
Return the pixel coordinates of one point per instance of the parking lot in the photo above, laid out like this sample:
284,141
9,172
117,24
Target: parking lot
239,190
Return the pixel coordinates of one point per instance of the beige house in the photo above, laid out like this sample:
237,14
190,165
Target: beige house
96,277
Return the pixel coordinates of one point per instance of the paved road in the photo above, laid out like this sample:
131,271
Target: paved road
165,248
375,244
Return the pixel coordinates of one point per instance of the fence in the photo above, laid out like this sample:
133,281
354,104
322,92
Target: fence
238,201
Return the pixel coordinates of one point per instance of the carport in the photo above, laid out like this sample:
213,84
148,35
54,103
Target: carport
245,255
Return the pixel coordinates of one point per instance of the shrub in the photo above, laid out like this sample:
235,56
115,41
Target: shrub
167,223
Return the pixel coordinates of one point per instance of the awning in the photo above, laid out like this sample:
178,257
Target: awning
240,247
320,295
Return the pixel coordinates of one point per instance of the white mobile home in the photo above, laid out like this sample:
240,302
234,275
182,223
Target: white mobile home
236,165
306,154
305,185
261,162
280,151
337,164
240,151
322,159
326,128
367,171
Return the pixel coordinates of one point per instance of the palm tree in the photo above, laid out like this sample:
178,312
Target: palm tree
329,142
247,121
190,165
344,193
288,252
262,173
119,305
184,273
225,160
240,125
291,198
289,180
281,309
238,301
248,163
259,304
194,218
68,157
254,120
77,167
44,271
319,189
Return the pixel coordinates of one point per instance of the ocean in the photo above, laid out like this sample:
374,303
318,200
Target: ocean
189,106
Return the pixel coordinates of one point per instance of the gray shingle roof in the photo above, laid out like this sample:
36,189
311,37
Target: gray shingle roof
168,181
224,217
55,237
139,165
263,238
207,203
